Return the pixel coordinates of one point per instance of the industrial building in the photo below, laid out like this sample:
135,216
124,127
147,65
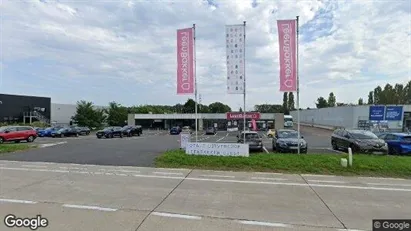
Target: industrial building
390,117
22,108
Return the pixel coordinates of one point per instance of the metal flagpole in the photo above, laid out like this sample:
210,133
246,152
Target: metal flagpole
244,110
298,89
195,79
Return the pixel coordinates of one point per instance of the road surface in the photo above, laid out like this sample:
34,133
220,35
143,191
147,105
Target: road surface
90,197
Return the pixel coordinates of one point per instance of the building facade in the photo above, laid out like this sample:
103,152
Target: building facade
21,108
61,114
393,117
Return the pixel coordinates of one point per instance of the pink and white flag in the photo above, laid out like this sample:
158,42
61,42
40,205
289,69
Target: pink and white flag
288,55
185,61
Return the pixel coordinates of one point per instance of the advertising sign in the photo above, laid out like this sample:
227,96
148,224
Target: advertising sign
377,113
184,140
288,53
240,115
235,48
218,149
185,61
393,113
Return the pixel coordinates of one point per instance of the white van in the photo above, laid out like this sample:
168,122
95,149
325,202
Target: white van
288,121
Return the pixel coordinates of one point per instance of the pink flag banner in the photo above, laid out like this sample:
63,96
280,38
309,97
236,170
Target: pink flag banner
185,61
288,55
254,124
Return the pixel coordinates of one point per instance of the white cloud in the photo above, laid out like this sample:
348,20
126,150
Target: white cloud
125,50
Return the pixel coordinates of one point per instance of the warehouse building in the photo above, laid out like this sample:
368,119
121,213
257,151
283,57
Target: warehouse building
22,108
389,117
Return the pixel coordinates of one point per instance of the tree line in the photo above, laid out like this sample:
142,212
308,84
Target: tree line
397,94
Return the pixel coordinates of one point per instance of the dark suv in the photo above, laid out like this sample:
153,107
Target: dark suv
360,141
131,130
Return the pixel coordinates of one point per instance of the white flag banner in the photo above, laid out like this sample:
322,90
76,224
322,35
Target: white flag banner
235,45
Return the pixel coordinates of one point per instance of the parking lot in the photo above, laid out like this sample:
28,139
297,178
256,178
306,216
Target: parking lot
139,150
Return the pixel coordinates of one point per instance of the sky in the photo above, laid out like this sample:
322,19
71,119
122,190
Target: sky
125,50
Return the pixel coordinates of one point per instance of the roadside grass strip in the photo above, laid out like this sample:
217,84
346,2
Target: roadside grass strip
7,148
326,164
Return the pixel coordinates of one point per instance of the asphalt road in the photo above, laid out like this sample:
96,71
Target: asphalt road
84,197
136,151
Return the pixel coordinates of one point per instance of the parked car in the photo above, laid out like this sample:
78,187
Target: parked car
398,143
175,131
286,140
187,129
65,132
360,141
83,130
270,133
210,131
131,131
17,134
46,132
253,139
110,132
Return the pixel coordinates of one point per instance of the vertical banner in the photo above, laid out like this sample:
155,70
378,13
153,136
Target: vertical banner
254,124
288,55
235,45
185,61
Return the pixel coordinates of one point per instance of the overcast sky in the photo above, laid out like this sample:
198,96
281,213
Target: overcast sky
125,51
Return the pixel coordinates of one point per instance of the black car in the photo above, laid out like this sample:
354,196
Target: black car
64,132
83,130
175,131
360,141
286,140
253,139
211,131
131,131
110,132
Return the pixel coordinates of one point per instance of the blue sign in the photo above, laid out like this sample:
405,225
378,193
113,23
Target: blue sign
393,113
377,113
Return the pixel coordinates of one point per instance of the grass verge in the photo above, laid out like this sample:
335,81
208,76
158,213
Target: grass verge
364,165
7,148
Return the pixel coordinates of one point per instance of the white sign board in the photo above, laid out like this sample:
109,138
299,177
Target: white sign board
184,140
218,149
215,125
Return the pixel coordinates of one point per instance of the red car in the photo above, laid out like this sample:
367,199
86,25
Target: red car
17,134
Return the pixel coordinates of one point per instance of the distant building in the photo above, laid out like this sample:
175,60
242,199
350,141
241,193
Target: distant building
22,108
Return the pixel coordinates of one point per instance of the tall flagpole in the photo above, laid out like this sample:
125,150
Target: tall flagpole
195,79
298,88
244,110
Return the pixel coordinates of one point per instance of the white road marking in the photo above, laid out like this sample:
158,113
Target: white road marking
51,144
266,178
17,201
235,181
314,175
34,166
120,174
259,223
328,181
129,171
176,215
265,149
380,178
89,207
217,176
268,173
168,173
400,185
222,138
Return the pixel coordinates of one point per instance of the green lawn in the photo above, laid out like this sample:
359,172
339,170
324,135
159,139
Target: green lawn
364,165
6,148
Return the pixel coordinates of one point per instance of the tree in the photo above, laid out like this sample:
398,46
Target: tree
116,114
189,106
269,108
371,97
218,107
321,103
240,110
360,101
285,103
291,103
377,95
407,93
87,116
331,100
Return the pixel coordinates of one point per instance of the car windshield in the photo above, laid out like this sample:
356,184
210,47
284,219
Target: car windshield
288,119
288,134
107,129
251,136
2,129
62,129
363,135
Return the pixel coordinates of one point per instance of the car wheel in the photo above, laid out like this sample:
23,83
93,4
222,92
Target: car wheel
30,139
138,133
393,151
98,137
76,134
334,145
1,140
